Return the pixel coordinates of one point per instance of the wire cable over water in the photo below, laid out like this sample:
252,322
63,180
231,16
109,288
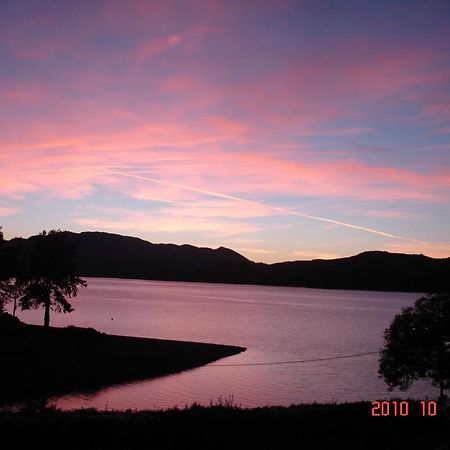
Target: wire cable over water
298,361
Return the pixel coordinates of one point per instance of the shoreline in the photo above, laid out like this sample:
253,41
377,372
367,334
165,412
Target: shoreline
39,362
221,283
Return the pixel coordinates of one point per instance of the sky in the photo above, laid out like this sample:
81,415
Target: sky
285,130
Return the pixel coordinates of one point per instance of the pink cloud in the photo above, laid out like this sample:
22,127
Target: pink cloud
218,208
209,120
154,222
388,214
309,96
74,167
309,255
92,134
26,95
158,45
8,211
432,249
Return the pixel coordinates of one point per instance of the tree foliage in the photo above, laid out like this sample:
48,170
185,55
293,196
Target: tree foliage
11,290
11,265
51,278
2,262
2,270
417,344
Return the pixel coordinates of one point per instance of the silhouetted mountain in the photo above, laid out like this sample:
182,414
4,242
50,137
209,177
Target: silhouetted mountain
112,255
375,270
116,256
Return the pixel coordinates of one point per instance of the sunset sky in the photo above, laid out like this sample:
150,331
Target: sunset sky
282,129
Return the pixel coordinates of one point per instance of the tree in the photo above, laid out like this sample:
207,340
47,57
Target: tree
2,300
51,277
417,344
2,259
11,290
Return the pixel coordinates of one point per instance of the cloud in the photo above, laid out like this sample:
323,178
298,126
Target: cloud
138,222
263,205
388,214
432,249
72,169
8,211
195,110
253,250
155,46
309,255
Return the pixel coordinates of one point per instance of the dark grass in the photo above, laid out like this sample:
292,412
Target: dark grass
37,362
316,426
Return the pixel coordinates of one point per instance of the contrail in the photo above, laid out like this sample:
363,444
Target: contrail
274,208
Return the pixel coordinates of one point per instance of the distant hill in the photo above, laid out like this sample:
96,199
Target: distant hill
116,256
375,271
113,255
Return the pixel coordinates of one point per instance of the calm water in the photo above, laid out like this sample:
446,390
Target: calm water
274,323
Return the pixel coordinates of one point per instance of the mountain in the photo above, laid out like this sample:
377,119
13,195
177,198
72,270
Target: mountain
375,270
112,255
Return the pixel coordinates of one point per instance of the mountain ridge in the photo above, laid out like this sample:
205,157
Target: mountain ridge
110,255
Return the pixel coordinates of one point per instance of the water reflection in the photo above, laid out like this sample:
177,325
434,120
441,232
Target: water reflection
274,323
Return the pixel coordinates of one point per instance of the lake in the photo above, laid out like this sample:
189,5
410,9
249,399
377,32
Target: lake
276,324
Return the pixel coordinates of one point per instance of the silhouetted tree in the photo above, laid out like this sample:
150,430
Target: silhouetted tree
2,301
417,344
51,277
2,268
11,290
11,287
5,270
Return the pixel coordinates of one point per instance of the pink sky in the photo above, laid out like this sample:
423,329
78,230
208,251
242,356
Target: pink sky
284,130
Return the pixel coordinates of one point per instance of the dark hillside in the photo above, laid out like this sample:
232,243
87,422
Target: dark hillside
116,256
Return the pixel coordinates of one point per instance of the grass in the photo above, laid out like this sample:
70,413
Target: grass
223,425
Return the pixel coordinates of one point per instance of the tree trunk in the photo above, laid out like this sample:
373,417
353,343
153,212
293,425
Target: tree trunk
15,307
47,312
441,386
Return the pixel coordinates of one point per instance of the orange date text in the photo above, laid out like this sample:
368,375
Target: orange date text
401,408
